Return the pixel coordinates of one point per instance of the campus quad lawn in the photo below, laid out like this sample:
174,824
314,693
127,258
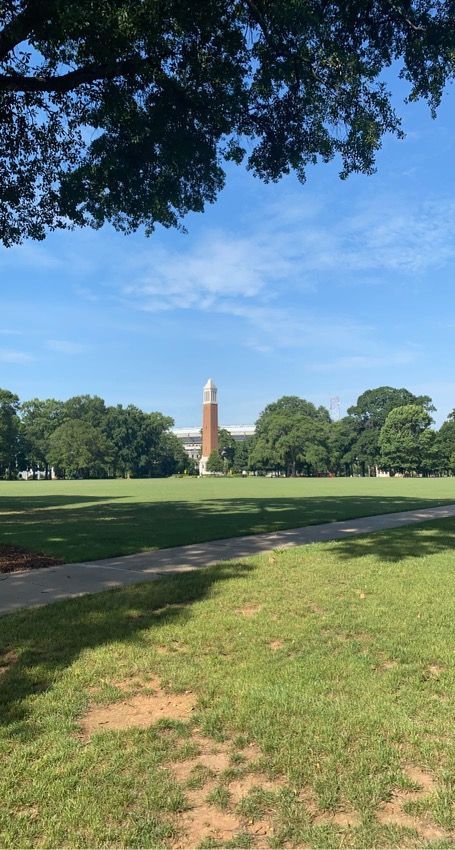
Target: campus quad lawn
335,661
87,520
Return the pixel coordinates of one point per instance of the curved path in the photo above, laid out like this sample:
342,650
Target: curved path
30,588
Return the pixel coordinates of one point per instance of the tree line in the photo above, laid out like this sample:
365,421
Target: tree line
388,429
85,438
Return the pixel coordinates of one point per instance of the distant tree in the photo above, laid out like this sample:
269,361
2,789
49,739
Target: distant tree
370,413
78,449
9,432
226,447
135,440
406,439
342,437
171,457
242,453
39,419
373,406
292,435
215,462
445,444
86,408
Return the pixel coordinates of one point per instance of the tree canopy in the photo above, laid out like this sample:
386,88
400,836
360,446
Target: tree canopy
126,111
292,434
83,437
406,439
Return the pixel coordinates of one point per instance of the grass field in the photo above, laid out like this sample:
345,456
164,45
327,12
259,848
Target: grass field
86,520
309,696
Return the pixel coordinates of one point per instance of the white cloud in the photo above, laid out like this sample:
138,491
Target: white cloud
30,255
367,361
10,356
288,250
65,346
261,272
220,266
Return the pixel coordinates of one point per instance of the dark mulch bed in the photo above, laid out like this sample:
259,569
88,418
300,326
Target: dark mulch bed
13,558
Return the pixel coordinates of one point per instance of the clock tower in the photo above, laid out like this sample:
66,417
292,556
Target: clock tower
209,424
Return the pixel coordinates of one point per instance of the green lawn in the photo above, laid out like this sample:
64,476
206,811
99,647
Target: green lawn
324,676
86,520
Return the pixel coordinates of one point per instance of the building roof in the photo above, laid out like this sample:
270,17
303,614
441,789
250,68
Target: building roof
196,430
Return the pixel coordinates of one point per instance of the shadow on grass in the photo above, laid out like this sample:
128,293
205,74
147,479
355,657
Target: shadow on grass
394,545
31,502
36,646
112,527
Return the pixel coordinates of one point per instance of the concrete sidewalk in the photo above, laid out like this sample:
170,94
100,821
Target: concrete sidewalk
30,588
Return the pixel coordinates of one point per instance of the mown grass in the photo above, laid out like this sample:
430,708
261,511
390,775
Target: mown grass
87,520
359,683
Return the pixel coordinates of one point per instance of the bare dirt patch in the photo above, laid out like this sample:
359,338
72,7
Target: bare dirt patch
171,648
274,645
141,710
249,610
316,609
211,755
393,814
7,661
344,818
434,671
240,788
422,778
385,664
15,558
205,820
29,812
251,752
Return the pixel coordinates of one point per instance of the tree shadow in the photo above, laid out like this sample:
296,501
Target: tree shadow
31,502
394,545
112,527
37,645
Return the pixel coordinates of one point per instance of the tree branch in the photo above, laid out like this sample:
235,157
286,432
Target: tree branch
73,79
18,30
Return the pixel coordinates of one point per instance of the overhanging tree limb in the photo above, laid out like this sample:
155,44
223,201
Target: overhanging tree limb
174,89
73,79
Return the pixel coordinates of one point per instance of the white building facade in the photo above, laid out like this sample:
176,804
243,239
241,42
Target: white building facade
191,438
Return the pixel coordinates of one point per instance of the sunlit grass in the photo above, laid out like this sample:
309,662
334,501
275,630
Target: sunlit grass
336,660
86,520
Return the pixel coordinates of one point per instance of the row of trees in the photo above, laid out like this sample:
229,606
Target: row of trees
83,437
388,429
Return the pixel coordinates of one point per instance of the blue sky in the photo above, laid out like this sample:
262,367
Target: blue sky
319,290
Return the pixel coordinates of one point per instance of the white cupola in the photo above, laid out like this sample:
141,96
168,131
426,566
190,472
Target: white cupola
210,392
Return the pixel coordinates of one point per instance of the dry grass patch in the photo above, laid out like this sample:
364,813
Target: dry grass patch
214,805
170,649
7,661
249,610
392,813
139,710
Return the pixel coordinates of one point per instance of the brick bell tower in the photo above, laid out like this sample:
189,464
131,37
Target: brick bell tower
209,425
